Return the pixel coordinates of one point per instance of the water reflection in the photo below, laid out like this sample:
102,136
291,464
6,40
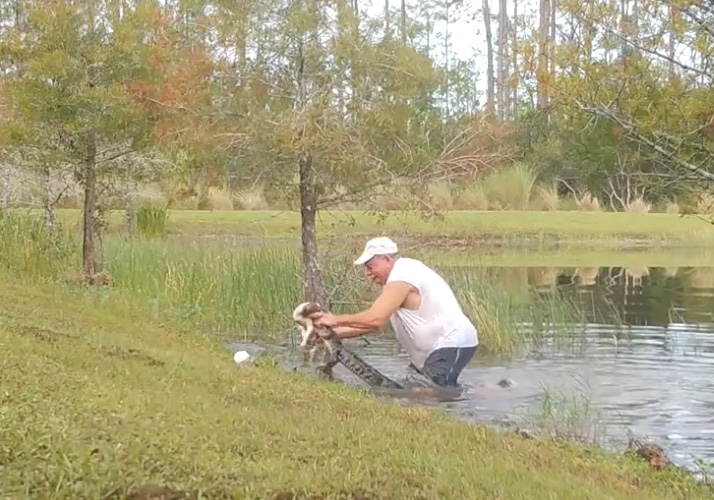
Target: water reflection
643,360
612,295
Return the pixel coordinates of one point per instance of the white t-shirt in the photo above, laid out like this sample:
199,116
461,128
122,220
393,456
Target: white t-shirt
438,322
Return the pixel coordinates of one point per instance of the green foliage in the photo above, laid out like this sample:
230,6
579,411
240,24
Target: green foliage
151,220
70,93
369,100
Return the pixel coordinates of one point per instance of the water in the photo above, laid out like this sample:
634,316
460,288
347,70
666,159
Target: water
642,365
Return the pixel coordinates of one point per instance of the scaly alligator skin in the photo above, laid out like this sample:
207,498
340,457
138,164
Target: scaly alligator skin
351,361
338,353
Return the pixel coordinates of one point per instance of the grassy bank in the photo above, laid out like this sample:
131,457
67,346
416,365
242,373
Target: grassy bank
464,228
247,291
97,403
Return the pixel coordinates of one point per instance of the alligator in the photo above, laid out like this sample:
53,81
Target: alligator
314,337
337,352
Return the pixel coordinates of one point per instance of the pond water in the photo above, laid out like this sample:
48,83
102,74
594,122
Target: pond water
642,365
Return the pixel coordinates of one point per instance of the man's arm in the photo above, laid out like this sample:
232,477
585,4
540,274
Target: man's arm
391,298
349,332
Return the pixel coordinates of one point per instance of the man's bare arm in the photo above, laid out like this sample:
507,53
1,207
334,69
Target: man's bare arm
350,332
391,298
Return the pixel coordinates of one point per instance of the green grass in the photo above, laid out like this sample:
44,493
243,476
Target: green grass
97,402
151,220
249,292
608,229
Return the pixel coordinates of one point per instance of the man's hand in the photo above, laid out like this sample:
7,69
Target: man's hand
322,319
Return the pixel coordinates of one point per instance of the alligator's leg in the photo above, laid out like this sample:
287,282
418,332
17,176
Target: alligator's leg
325,370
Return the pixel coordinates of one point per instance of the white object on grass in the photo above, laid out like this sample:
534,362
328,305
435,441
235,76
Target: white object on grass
240,356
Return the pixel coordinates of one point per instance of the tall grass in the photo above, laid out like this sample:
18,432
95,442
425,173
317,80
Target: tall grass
507,321
247,291
567,416
511,188
151,220
27,249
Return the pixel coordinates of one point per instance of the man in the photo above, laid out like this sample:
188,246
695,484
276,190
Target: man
422,309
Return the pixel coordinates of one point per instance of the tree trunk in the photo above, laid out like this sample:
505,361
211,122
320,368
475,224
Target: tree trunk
387,27
130,205
90,258
514,59
552,42
403,22
49,202
491,92
313,288
542,71
672,40
5,198
503,62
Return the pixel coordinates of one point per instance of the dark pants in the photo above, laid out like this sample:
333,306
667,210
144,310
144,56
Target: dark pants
444,366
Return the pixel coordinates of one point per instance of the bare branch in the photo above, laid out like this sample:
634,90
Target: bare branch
630,129
653,52
702,24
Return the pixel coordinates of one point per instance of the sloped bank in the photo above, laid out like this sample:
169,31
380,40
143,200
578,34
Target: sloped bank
97,404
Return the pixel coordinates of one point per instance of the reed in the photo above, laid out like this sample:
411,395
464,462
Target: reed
27,248
151,220
247,291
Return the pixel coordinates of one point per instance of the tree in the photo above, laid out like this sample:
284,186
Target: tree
346,111
71,101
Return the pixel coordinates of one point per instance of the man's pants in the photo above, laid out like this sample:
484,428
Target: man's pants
444,366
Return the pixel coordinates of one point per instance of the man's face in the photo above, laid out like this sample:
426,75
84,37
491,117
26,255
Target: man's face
378,268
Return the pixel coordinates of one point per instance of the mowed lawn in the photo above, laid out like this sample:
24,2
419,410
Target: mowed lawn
587,227
96,403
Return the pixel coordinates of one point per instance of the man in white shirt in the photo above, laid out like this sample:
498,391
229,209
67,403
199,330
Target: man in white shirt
422,309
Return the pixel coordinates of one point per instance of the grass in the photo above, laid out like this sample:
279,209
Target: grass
566,416
542,228
98,402
151,220
248,292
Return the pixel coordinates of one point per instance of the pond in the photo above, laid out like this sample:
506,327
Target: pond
641,365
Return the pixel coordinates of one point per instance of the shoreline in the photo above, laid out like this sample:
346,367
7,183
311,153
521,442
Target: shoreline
622,230
76,368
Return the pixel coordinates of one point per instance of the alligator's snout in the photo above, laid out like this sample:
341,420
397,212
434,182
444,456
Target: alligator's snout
505,383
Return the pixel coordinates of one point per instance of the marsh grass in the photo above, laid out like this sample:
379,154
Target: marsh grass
514,187
568,416
151,220
242,291
99,402
26,247
508,322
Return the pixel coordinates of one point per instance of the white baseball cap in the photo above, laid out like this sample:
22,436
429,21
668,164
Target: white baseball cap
376,246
